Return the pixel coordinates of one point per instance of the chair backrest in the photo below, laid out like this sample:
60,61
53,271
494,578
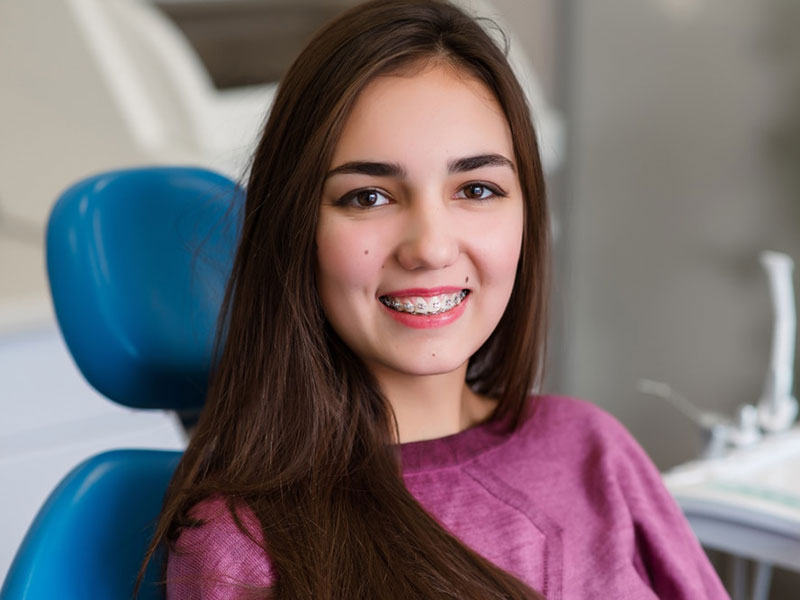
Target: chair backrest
89,538
137,261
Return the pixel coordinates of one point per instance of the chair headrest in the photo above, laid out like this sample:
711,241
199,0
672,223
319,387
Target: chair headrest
138,260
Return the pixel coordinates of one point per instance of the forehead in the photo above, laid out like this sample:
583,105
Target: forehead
423,116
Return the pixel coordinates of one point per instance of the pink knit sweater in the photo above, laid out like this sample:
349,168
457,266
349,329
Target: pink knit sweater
569,503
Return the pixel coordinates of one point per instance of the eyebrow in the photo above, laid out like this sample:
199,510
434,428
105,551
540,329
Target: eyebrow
390,169
364,167
470,163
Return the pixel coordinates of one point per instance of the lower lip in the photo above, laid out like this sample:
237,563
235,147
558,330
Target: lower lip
427,321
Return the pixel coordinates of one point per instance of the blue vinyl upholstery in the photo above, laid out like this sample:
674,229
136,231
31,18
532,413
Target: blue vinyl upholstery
89,538
137,260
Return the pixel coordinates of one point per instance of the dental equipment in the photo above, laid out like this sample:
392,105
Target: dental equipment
777,408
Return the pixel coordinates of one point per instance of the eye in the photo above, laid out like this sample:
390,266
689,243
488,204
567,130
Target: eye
366,198
479,191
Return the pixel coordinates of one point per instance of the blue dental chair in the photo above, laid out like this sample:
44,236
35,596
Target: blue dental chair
137,261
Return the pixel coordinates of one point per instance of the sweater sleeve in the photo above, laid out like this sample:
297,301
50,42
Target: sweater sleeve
668,552
217,560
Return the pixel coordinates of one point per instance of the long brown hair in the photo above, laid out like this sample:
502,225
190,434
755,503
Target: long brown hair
294,425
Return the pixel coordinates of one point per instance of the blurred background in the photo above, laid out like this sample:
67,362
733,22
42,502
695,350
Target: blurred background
671,132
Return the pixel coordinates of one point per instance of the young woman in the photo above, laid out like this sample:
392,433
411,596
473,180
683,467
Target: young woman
370,431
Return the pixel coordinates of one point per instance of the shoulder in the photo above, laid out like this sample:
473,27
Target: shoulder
569,442
563,420
576,436
625,492
567,434
218,559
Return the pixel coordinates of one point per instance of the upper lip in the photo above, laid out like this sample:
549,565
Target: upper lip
424,292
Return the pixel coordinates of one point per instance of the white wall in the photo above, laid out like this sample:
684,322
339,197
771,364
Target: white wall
57,123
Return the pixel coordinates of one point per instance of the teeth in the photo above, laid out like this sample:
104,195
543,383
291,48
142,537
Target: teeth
425,306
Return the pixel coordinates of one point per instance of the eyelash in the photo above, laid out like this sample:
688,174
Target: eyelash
346,200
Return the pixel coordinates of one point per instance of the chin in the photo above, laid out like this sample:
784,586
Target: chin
428,365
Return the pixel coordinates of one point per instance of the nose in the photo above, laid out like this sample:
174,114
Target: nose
429,239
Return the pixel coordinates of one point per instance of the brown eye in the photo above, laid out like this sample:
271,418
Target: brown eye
368,198
479,191
474,191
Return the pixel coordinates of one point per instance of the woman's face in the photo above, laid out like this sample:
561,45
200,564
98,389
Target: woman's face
420,224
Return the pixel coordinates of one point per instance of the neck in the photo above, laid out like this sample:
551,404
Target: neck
432,406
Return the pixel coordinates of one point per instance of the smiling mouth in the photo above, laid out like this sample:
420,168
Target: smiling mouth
416,305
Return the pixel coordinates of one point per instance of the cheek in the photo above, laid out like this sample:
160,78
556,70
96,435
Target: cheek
497,250
500,267
348,260
508,252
